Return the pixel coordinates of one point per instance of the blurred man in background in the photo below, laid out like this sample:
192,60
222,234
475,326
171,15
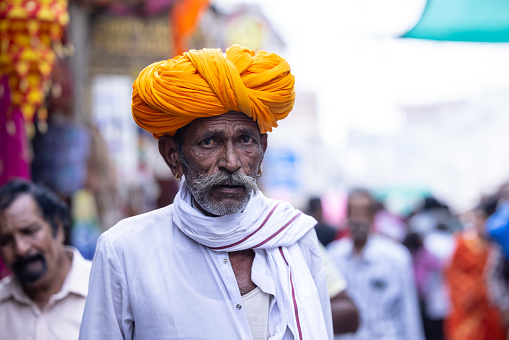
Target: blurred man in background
379,275
345,315
324,231
45,295
497,267
432,291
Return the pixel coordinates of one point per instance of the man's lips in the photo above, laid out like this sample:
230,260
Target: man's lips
229,188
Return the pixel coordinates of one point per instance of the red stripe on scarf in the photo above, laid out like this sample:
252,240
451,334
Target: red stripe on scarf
254,232
293,296
277,232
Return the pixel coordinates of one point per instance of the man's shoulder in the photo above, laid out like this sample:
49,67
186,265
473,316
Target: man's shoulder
341,247
6,288
308,244
139,226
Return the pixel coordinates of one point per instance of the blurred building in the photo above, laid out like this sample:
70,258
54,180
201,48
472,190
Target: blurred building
297,164
454,150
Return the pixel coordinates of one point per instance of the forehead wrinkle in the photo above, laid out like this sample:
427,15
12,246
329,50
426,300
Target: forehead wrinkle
223,130
246,131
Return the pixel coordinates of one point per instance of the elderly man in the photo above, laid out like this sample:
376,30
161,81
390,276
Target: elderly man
45,295
223,261
379,276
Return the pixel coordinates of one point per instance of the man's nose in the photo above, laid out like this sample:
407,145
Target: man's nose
230,160
22,245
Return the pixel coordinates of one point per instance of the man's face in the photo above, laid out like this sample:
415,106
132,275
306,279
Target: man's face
360,216
27,245
223,154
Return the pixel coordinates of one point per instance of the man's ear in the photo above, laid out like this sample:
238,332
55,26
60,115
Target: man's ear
168,148
264,141
60,234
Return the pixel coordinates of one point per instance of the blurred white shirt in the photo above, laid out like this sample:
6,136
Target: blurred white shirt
380,282
441,244
21,318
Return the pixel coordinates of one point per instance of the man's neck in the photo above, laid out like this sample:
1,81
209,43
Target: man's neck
195,204
241,262
41,294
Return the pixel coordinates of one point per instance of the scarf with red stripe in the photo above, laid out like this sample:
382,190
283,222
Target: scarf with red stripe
274,227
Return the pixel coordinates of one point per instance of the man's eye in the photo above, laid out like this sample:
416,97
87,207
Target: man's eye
207,142
31,230
245,139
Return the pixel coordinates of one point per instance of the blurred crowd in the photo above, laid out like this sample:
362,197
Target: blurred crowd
432,274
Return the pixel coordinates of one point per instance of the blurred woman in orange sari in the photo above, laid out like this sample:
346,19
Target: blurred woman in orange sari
472,316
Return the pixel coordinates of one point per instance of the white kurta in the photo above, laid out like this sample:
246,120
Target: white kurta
150,281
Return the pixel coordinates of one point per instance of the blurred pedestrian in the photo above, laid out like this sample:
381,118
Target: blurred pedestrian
223,261
389,224
379,274
497,267
45,295
428,274
497,281
472,316
432,214
324,231
345,316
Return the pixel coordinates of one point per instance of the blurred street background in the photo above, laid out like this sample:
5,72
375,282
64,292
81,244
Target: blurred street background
405,103
409,99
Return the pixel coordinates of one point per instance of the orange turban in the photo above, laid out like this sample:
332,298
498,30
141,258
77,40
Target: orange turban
172,93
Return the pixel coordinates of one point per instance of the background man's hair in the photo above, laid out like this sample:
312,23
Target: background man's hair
52,209
314,204
361,192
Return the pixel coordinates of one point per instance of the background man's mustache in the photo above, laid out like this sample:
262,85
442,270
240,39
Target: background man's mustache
19,267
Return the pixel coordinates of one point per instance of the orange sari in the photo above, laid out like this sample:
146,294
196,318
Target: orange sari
471,317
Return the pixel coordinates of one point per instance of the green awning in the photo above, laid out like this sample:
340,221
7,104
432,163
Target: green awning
463,20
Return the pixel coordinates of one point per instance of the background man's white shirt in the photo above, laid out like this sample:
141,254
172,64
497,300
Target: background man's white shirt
21,318
380,282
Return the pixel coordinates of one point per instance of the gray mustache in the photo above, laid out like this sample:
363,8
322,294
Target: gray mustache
223,178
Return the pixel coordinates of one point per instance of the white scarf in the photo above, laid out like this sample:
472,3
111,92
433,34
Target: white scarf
274,226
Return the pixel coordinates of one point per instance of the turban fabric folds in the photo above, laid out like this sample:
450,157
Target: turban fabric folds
170,94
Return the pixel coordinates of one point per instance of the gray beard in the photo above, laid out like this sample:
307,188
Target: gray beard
201,185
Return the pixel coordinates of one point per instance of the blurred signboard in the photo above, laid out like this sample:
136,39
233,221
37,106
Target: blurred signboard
111,95
280,166
246,29
126,44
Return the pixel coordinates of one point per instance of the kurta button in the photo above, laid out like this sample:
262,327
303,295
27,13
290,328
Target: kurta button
239,306
225,261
